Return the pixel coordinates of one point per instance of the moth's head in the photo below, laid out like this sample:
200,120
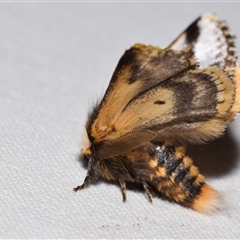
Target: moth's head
86,153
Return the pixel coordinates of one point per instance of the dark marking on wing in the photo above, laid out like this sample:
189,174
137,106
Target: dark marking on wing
160,102
193,32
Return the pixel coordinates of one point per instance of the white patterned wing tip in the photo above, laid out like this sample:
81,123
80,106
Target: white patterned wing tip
210,42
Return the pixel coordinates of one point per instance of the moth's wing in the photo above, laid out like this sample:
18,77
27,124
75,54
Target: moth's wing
153,95
140,68
236,105
212,44
189,107
122,144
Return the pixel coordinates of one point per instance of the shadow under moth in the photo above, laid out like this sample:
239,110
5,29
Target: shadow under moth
157,101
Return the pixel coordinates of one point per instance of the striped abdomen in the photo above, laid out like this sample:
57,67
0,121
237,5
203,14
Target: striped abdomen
177,178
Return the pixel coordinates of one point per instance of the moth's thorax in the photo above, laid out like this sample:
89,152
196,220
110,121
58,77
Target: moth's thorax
132,166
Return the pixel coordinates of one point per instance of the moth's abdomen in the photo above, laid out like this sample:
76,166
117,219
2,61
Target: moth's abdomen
178,179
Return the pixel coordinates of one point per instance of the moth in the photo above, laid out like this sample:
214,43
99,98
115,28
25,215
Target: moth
157,101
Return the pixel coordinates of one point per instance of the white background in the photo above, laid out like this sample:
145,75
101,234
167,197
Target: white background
56,59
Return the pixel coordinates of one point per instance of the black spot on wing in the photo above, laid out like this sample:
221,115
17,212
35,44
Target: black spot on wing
160,102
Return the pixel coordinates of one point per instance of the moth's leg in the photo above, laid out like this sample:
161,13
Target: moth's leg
123,188
87,182
92,175
148,191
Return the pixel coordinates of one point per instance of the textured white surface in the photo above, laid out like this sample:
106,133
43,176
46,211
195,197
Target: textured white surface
55,60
